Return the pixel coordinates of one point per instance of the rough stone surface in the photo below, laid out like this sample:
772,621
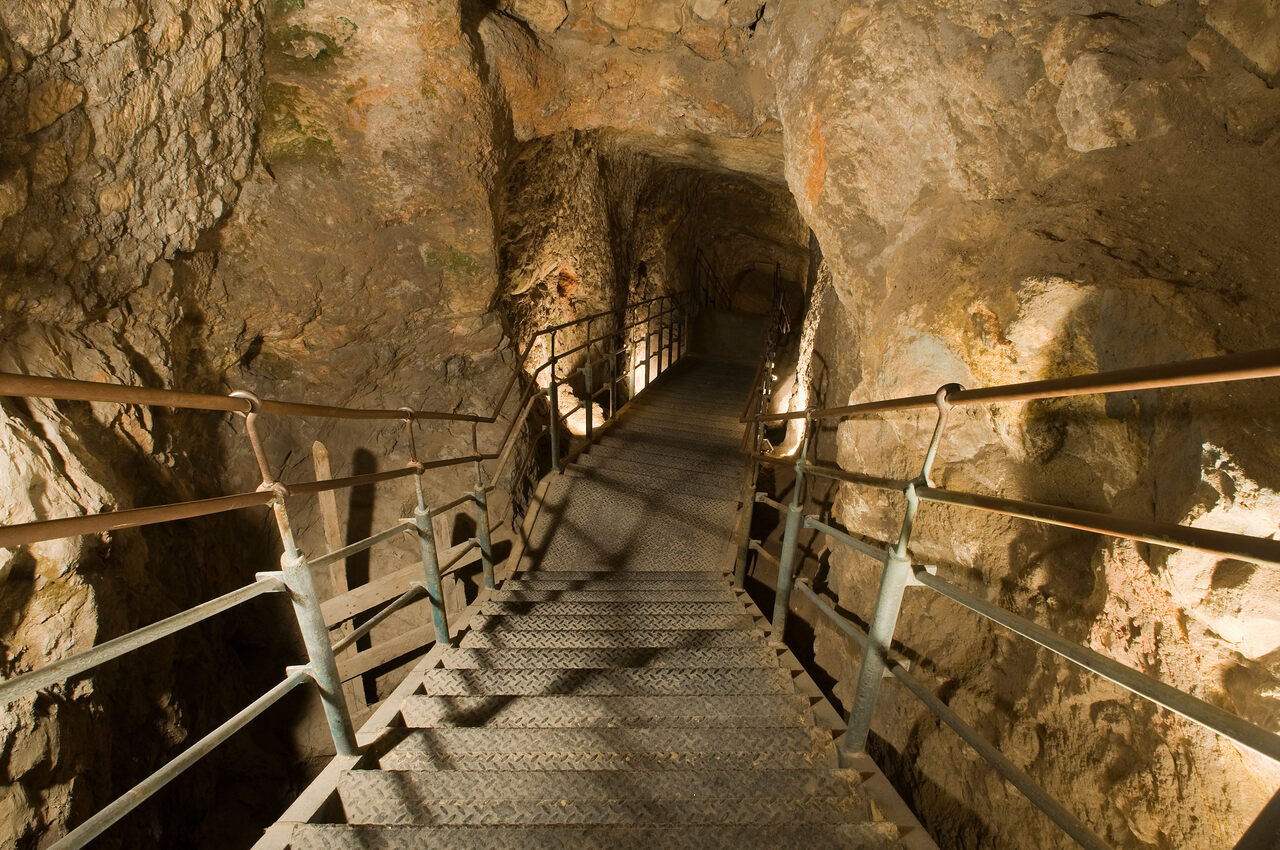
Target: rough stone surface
368,203
1004,194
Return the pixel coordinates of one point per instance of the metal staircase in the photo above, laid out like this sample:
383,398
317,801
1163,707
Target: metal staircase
616,691
619,689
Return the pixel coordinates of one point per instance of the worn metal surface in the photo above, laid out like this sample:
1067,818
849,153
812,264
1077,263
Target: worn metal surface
597,659
609,639
607,682
621,837
577,711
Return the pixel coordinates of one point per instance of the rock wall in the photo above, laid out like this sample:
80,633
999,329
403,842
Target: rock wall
127,128
1008,192
173,213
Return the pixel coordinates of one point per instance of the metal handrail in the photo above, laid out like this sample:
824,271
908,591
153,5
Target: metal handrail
899,573
295,574
1264,363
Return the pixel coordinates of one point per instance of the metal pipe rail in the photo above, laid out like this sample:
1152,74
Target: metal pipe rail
58,671
1018,778
295,573
138,794
899,573
1210,370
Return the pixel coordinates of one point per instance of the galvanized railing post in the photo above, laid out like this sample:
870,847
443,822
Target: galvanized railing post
590,399
296,572
748,497
430,563
749,480
790,545
648,340
553,400
482,528
612,375
884,619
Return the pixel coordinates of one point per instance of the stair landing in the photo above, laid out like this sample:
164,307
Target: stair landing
616,691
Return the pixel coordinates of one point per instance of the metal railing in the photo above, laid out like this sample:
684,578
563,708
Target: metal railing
899,572
663,319
708,284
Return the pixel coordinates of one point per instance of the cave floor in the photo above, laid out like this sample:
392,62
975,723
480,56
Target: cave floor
616,691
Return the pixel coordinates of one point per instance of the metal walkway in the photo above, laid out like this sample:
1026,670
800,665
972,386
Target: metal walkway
616,691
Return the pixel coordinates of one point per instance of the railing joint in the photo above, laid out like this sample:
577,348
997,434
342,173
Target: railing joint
916,569
303,670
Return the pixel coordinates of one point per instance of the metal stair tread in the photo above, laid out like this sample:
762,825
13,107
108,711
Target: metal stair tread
609,639
596,622
717,476
383,798
606,785
607,594
587,682
867,836
659,609
601,576
662,464
649,483
616,748
607,711
595,659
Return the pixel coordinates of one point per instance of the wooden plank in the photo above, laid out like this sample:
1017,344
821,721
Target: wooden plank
373,594
333,538
363,662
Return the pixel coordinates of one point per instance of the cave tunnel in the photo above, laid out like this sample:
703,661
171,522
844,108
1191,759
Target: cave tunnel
693,422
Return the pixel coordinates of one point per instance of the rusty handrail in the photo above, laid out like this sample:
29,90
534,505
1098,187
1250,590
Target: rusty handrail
50,529
94,391
1264,363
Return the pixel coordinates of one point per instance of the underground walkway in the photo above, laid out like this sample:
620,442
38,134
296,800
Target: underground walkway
616,691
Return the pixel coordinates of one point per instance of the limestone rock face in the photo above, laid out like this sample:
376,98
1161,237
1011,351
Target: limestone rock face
623,64
1005,194
373,203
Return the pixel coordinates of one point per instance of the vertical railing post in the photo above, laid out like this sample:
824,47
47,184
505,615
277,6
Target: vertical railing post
590,399
670,326
748,496
553,400
884,619
790,544
296,572
430,564
482,528
648,340
612,375
482,511
426,534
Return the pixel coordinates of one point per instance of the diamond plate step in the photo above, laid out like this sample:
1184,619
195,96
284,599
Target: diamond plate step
542,712
646,483
664,420
597,659
687,639
781,748
712,475
630,609
598,785
664,465
542,582
871,836
647,622
401,798
639,681
607,594
623,577
661,412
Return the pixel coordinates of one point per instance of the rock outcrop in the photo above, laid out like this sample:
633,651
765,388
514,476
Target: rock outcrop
1004,194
